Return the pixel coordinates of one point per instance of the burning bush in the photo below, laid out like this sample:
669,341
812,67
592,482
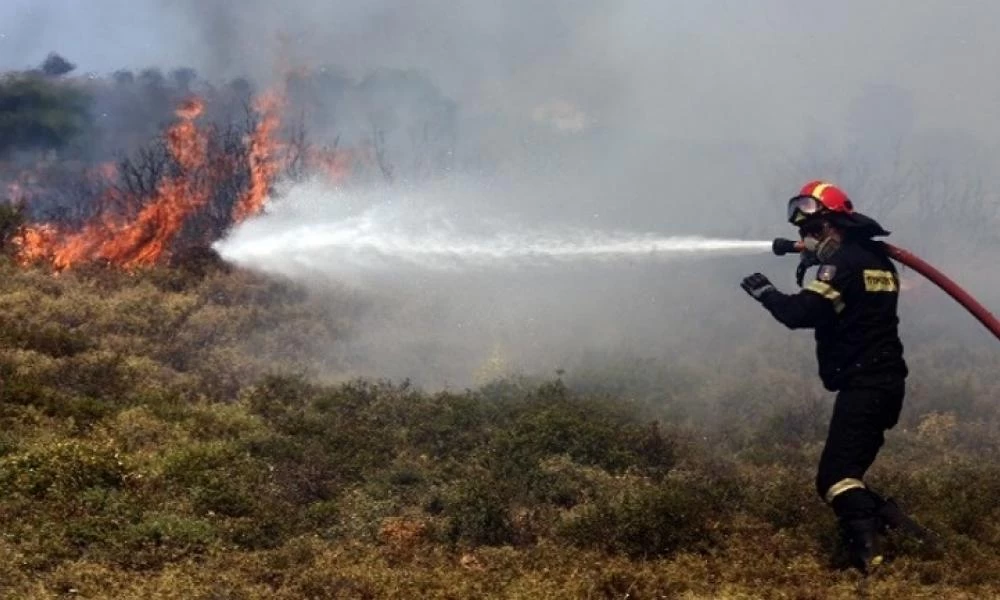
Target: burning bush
116,191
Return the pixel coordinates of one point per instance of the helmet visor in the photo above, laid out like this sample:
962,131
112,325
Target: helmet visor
801,208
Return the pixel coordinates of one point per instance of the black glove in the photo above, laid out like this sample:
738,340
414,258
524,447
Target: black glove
757,285
806,259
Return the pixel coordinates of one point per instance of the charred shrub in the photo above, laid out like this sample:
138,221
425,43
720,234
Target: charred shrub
198,261
12,218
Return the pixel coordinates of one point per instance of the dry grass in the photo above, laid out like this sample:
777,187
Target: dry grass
150,448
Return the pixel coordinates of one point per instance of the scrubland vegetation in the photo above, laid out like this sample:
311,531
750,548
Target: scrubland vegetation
162,435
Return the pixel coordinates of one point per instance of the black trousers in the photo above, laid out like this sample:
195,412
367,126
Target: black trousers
862,412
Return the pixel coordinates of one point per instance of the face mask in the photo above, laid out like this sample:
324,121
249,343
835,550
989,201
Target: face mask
827,248
823,249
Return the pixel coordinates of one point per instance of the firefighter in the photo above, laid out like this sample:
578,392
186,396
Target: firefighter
851,306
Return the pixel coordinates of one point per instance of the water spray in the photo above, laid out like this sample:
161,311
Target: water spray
782,246
386,238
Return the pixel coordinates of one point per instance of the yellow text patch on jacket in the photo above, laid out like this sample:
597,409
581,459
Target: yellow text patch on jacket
880,281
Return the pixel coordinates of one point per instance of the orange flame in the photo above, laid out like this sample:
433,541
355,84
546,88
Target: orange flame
139,231
144,240
334,164
106,171
35,243
263,155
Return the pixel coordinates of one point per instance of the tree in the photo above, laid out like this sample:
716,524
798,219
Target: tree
414,126
55,65
40,113
184,77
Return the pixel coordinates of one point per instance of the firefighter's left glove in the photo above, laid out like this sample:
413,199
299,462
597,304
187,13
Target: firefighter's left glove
757,286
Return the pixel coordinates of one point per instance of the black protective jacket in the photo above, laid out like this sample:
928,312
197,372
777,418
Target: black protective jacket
852,306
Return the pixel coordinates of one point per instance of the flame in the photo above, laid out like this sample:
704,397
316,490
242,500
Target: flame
332,163
106,171
35,243
136,231
144,240
263,156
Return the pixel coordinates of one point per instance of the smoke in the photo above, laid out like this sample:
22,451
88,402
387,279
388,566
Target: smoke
655,118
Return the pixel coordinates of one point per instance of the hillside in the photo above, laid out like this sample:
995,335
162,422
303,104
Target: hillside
165,434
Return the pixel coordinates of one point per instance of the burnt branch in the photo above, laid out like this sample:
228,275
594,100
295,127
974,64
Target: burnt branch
381,154
141,173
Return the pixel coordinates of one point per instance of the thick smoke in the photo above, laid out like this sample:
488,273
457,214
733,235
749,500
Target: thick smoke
664,118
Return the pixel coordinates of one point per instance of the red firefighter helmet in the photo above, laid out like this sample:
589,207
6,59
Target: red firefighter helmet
818,198
823,199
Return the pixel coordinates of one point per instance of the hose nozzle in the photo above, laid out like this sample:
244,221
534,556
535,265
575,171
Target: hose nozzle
782,246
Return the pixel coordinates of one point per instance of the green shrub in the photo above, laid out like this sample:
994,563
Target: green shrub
230,464
279,397
8,444
964,500
218,478
62,469
589,431
268,528
784,497
344,432
479,513
160,538
48,338
443,426
645,520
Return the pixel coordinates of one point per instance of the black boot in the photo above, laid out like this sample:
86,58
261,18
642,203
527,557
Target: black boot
863,544
893,518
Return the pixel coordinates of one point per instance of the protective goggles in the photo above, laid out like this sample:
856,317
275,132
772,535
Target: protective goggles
801,208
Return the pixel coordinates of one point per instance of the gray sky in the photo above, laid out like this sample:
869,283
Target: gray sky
721,69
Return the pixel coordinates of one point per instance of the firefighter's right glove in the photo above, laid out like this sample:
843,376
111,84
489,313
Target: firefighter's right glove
757,286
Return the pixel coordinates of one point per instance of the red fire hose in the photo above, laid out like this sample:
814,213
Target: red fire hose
782,246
